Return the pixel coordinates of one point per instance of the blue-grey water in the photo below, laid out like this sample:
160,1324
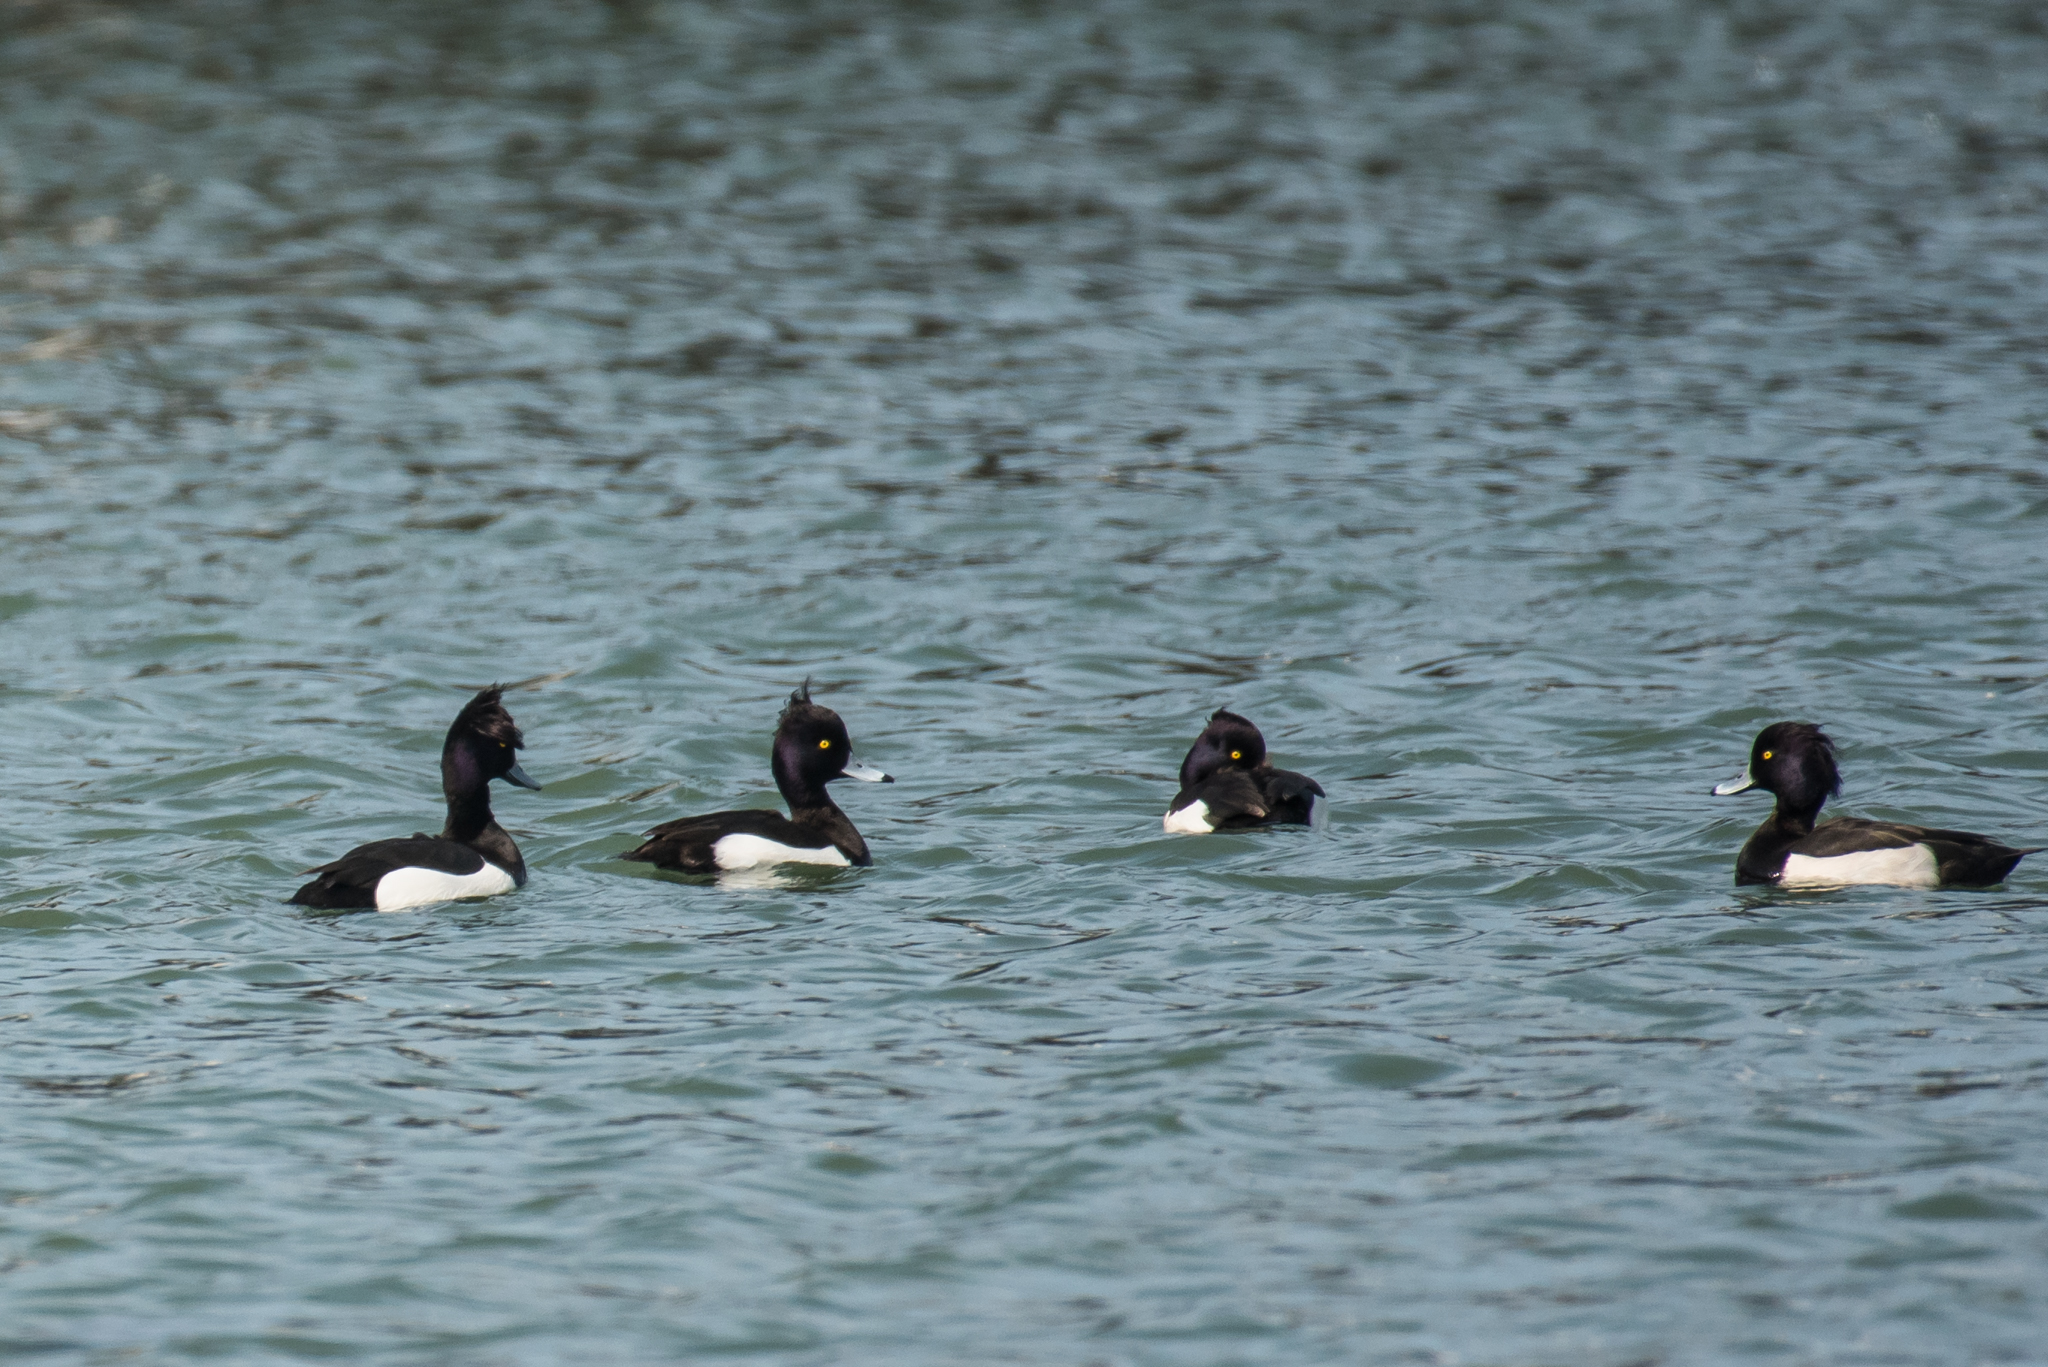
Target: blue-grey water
1511,408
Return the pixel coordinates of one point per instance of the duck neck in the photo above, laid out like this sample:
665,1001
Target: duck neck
469,815
811,807
470,823
805,797
1791,821
468,792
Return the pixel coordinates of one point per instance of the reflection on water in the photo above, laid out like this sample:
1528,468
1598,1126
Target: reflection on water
1512,412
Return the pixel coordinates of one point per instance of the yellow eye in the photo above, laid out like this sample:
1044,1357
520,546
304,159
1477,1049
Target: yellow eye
1765,755
1234,754
824,745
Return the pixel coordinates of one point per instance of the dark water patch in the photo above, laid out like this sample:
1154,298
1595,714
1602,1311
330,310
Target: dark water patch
1962,1206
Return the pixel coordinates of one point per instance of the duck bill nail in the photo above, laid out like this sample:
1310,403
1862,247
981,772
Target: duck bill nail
518,775
1740,783
866,773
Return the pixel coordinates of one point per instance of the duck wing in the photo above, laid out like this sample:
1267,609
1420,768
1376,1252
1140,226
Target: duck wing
1233,802
1960,857
1854,835
690,845
1290,797
351,881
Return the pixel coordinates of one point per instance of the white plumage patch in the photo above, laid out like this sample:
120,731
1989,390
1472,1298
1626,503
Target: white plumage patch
1318,812
739,851
415,887
1911,866
1192,819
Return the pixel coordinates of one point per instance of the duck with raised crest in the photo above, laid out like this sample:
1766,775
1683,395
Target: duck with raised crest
472,857
1228,784
1795,761
811,749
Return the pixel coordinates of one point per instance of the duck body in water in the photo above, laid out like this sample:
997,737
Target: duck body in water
471,857
1228,784
811,749
1795,761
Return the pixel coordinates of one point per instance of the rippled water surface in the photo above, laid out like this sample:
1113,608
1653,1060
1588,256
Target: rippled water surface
1509,407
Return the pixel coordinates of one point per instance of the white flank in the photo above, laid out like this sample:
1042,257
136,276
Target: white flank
1909,867
412,887
1192,819
1318,813
738,851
